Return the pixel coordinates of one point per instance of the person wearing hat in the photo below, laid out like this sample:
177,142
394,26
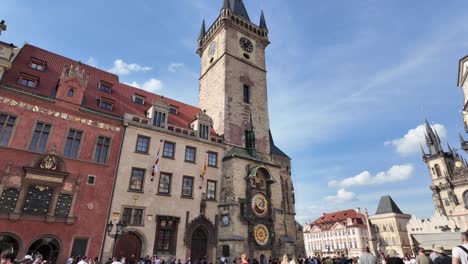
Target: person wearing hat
422,258
393,258
441,257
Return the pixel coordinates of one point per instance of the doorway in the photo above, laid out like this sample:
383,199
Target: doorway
48,247
199,244
128,245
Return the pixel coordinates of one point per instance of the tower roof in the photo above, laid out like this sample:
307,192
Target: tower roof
202,30
262,21
387,206
432,140
275,150
237,7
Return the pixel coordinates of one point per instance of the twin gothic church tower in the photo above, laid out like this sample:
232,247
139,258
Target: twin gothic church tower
256,207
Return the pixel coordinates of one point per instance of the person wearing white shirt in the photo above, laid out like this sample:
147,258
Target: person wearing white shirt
460,253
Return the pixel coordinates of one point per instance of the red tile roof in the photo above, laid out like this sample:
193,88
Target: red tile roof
340,216
121,93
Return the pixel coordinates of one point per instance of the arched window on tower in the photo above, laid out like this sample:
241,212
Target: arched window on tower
437,169
70,92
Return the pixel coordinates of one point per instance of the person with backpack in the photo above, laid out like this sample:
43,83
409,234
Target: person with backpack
460,253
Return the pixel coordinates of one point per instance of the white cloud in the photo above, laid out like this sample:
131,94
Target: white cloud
410,143
342,196
123,68
174,66
396,173
152,85
91,61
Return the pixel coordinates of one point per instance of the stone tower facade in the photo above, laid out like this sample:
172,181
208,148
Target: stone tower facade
256,206
448,172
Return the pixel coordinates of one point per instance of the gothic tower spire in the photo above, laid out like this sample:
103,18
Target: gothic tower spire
202,30
262,21
432,140
237,7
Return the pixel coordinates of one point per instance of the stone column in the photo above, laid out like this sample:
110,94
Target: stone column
52,206
20,203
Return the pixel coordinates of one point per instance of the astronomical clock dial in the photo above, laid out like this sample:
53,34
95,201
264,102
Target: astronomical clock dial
259,205
246,44
212,49
261,234
458,164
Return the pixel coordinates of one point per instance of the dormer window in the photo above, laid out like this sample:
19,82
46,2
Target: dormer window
159,112
105,87
106,104
159,119
37,65
28,81
138,99
173,110
203,131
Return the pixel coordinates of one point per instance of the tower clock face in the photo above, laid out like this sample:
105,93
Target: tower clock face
259,205
212,49
246,44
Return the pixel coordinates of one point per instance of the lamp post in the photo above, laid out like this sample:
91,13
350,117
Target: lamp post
119,229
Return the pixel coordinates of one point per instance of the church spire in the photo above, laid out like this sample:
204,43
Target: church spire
432,140
263,22
225,5
202,30
250,139
422,151
237,7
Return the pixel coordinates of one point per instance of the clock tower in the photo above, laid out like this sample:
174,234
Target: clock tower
233,75
256,205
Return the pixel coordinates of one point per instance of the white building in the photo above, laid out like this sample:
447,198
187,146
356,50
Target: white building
333,234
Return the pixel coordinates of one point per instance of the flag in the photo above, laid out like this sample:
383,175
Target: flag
202,175
155,166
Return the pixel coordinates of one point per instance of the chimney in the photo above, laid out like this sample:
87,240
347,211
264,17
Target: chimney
358,210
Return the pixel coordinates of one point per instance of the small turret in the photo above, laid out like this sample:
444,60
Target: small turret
202,31
432,140
263,22
463,143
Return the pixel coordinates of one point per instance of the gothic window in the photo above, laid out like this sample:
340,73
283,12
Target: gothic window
132,216
190,154
465,199
63,205
246,92
166,234
211,190
187,186
8,200
142,145
40,136
72,144
137,179
159,119
437,169
102,149
169,149
7,122
203,131
70,92
37,200
164,183
212,159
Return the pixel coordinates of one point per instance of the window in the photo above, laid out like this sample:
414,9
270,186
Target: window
203,131
142,145
105,105
159,119
40,136
102,148
63,205
212,159
105,87
37,65
7,122
137,179
37,200
70,93
438,172
72,144
133,216
166,233
91,180
138,99
187,186
164,183
28,81
169,149
173,111
190,154
79,247
465,201
8,200
211,190
246,94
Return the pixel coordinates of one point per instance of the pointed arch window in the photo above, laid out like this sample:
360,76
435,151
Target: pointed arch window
70,92
437,169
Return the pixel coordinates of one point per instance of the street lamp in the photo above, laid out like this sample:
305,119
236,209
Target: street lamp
120,228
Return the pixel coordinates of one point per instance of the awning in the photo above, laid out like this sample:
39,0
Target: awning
447,240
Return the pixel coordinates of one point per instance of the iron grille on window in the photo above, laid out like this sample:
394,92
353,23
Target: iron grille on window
63,204
8,200
7,122
102,149
72,144
40,135
37,200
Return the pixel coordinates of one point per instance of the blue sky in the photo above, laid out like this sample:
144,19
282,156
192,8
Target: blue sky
346,79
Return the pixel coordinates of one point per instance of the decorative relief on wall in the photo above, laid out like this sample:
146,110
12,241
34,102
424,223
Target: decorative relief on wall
48,163
65,116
